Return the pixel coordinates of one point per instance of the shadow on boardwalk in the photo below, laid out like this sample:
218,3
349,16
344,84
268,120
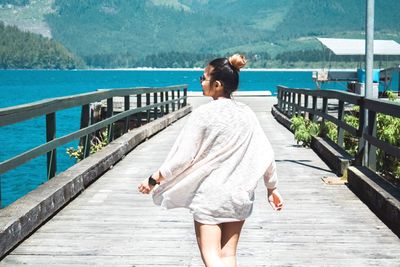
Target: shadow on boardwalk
111,224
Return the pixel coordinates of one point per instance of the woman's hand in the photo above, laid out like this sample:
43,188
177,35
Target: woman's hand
144,187
275,199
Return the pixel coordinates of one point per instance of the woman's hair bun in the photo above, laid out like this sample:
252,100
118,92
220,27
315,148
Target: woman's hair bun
237,61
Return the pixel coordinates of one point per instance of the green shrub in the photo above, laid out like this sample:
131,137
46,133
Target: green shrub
304,130
96,143
331,131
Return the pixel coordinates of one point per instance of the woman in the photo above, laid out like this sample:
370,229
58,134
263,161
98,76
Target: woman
215,164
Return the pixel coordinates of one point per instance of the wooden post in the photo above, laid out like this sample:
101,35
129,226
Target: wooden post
156,108
173,98
306,114
109,114
288,108
299,104
324,110
292,102
162,100
139,114
185,95
179,100
127,105
147,109
280,99
340,131
314,107
359,158
51,135
166,99
286,105
85,141
372,132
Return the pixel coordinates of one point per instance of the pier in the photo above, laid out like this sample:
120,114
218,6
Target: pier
105,221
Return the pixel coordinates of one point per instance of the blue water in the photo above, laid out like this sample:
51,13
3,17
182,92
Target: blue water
25,86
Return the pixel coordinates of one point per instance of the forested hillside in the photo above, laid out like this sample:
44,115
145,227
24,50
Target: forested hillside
22,50
321,17
14,2
176,33
182,33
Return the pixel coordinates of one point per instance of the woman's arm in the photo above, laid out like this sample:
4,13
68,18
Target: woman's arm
271,181
182,153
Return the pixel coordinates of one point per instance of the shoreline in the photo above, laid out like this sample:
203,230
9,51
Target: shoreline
189,69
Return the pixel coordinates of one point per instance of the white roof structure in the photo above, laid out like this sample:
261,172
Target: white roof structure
357,46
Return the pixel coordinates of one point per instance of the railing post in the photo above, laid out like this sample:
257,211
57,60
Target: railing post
279,98
289,108
166,99
162,100
284,104
109,114
340,131
127,106
85,141
314,107
147,109
359,158
50,135
372,132
292,102
139,114
179,98
185,95
155,102
299,104
324,111
173,98
306,113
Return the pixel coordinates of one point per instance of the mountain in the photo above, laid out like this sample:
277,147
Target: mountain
24,50
129,33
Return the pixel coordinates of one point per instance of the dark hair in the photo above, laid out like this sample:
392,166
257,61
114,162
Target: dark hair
226,73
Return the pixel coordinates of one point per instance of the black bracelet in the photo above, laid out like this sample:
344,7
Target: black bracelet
152,181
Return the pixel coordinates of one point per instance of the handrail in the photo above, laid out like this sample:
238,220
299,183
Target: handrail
164,100
293,101
27,111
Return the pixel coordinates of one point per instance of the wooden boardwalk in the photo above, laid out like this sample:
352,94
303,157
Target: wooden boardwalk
111,224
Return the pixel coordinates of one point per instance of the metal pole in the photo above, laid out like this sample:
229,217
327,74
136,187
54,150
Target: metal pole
369,50
369,63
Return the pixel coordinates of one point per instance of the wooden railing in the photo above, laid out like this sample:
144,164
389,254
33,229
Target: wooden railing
294,101
164,100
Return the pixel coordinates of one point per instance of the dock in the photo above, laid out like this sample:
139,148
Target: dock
112,224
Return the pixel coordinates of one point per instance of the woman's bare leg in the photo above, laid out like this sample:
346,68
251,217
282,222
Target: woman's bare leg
209,241
229,240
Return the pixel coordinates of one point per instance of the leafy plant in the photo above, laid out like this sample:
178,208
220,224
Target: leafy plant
96,143
331,131
304,130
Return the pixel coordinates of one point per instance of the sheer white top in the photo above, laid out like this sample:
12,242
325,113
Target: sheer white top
215,163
